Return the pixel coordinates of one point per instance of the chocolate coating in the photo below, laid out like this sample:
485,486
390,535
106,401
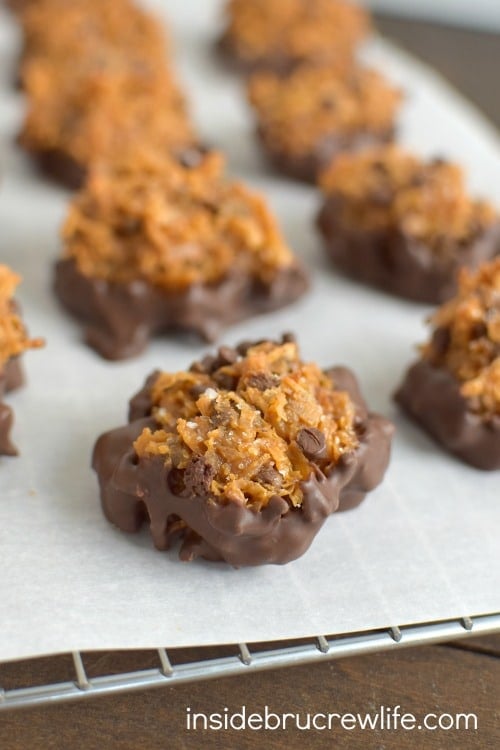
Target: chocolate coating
11,378
431,396
121,318
308,167
134,490
398,263
58,166
276,63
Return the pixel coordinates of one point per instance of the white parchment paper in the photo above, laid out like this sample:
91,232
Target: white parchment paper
422,547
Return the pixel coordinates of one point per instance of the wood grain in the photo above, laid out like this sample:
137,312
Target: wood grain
431,679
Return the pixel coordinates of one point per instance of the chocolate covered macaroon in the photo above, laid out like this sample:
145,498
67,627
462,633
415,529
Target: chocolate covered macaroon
309,117
76,29
404,225
244,456
279,34
453,391
98,83
14,341
152,246
98,109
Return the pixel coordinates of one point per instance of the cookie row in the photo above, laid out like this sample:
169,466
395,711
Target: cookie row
151,244
159,238
388,219
247,453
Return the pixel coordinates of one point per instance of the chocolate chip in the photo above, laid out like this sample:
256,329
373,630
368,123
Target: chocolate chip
205,366
268,475
380,167
198,390
211,206
262,381
361,427
311,442
289,338
225,380
226,356
418,180
439,161
198,476
246,345
129,225
441,340
382,195
478,330
329,104
175,481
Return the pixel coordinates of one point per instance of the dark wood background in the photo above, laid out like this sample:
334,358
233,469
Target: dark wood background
456,677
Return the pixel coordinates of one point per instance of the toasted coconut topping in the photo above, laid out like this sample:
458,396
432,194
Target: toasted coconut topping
295,30
298,112
249,424
388,187
173,226
466,337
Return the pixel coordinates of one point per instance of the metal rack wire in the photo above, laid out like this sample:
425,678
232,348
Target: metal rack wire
245,659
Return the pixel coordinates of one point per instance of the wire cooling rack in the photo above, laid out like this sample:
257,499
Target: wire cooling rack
246,658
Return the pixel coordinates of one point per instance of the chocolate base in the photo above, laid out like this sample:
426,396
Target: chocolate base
59,167
398,263
274,63
136,490
308,167
431,396
11,378
121,318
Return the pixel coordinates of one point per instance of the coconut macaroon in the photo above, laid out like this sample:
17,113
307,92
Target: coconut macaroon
404,225
99,109
314,114
14,341
98,83
453,391
151,245
54,28
244,455
75,29
280,34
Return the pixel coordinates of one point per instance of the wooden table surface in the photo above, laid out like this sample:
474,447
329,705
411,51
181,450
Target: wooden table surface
454,678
